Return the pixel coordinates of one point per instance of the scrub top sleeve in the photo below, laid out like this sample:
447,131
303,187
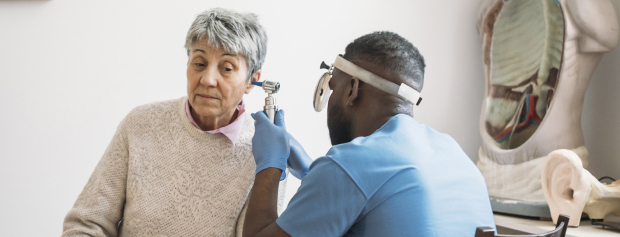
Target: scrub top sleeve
327,203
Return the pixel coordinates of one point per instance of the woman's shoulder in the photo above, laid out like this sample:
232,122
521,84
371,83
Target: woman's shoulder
155,111
159,106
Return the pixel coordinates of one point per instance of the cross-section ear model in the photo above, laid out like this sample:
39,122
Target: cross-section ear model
570,189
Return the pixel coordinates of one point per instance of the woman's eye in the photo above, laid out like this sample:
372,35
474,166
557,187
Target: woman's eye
199,64
226,66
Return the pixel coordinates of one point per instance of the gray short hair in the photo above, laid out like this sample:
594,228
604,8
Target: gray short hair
238,33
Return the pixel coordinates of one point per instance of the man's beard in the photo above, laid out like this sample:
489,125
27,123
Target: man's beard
339,127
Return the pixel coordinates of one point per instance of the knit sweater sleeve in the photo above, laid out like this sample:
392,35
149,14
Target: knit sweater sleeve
99,208
241,221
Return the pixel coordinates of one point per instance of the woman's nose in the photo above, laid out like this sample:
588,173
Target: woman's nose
210,77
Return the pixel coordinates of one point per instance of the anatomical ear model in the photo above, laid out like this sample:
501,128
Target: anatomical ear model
538,57
570,189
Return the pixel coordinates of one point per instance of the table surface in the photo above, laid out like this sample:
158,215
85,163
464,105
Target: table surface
534,226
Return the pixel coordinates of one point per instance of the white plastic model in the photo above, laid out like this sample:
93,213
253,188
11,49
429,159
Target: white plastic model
570,189
538,57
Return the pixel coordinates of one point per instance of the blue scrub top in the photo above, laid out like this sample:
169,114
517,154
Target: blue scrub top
405,179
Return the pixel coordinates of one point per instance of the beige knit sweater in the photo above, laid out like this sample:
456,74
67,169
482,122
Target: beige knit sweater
161,176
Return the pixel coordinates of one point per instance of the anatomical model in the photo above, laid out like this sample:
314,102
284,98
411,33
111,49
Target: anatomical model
538,57
571,189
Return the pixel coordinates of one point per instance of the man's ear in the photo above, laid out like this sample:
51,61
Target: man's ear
355,83
255,77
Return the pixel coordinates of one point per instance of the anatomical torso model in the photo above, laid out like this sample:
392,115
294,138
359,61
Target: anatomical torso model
538,57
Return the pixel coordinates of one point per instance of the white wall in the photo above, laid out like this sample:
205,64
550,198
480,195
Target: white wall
601,115
70,70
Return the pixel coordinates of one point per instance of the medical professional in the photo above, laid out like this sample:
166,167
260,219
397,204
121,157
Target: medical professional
386,174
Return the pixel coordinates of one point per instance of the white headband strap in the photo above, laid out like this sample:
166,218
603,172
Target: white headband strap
403,91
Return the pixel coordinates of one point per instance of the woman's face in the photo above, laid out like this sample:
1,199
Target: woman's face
216,80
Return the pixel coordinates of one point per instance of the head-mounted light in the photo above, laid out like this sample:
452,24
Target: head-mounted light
322,92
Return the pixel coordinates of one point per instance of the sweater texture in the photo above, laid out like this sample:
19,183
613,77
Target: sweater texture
161,176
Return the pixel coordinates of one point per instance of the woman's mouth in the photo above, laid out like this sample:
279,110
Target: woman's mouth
208,97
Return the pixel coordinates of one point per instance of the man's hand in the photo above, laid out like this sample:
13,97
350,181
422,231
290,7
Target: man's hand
261,216
270,144
271,148
298,160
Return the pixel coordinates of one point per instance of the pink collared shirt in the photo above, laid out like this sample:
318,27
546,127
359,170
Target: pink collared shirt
231,130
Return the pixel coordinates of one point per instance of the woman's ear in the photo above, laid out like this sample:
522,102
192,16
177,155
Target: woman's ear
255,77
355,83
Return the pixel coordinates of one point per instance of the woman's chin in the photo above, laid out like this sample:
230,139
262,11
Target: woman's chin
208,111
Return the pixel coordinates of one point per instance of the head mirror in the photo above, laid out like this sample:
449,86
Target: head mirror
322,92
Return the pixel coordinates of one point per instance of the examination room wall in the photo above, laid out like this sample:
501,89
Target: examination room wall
70,70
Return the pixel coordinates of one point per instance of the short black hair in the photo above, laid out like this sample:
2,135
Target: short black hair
392,52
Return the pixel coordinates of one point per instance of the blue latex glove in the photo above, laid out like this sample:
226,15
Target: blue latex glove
270,144
299,161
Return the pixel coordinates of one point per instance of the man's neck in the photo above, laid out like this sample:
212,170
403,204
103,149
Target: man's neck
363,126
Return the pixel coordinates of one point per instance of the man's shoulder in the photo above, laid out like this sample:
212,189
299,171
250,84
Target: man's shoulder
402,145
327,168
399,139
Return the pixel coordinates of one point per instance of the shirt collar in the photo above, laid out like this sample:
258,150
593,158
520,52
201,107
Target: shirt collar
231,131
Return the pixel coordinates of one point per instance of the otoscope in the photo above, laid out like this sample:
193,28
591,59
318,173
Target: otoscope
270,87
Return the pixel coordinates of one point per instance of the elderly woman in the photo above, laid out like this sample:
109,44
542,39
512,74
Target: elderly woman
183,167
